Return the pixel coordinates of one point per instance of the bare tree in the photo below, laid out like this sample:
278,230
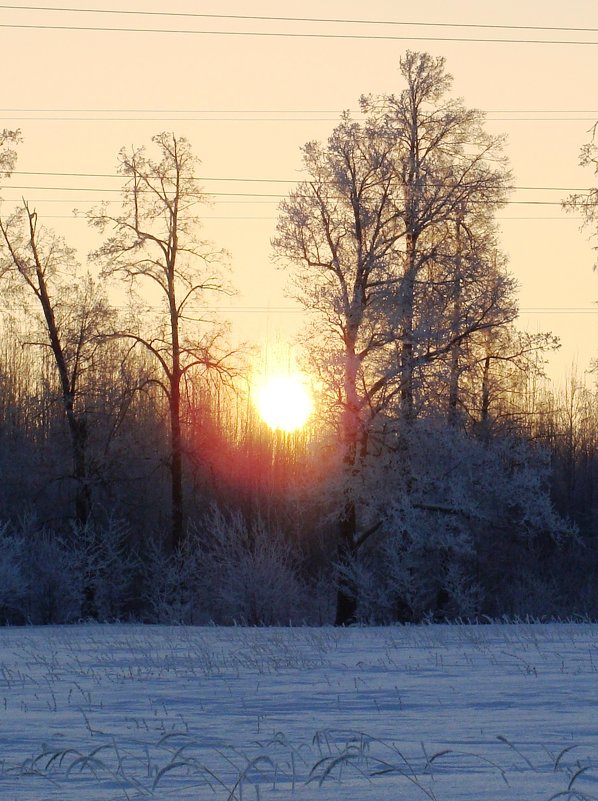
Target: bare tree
74,313
499,375
153,243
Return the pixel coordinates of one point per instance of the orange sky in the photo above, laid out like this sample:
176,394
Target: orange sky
257,99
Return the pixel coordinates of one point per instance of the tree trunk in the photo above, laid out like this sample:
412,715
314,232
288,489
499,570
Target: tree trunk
78,429
176,468
176,447
407,357
68,384
346,600
455,352
485,410
453,401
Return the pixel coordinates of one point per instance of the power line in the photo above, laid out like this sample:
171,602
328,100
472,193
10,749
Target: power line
563,217
263,111
186,119
557,310
275,197
226,180
209,218
291,35
540,111
100,200
261,119
264,18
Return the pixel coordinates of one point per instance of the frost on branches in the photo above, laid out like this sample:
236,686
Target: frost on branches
469,530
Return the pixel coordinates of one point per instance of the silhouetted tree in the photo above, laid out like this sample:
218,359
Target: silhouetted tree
74,314
154,242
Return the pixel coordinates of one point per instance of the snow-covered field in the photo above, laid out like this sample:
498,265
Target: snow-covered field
492,713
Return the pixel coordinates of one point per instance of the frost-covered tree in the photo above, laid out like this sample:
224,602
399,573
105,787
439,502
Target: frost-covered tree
474,532
8,154
376,237
587,202
450,175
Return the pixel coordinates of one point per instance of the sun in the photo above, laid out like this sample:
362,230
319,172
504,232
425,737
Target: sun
284,402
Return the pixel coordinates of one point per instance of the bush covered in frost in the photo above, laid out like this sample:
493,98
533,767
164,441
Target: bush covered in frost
50,577
231,571
468,528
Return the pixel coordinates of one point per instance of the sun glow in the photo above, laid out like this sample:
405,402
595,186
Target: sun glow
284,402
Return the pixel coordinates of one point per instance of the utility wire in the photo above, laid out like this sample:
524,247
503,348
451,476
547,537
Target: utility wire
210,218
275,196
260,119
227,180
282,197
264,18
290,35
299,310
262,111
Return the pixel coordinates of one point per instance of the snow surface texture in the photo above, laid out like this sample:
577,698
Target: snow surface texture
453,713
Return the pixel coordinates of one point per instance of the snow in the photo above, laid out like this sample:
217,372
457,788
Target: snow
453,713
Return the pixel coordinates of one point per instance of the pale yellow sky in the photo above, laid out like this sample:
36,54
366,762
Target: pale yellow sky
263,76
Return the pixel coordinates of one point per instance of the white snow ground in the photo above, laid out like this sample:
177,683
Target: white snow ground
453,713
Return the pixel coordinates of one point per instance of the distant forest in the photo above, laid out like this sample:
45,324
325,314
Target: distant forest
440,477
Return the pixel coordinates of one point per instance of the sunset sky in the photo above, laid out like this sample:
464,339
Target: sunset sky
248,102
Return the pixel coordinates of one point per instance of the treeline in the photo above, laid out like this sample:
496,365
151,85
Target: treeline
440,477
247,554
504,523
